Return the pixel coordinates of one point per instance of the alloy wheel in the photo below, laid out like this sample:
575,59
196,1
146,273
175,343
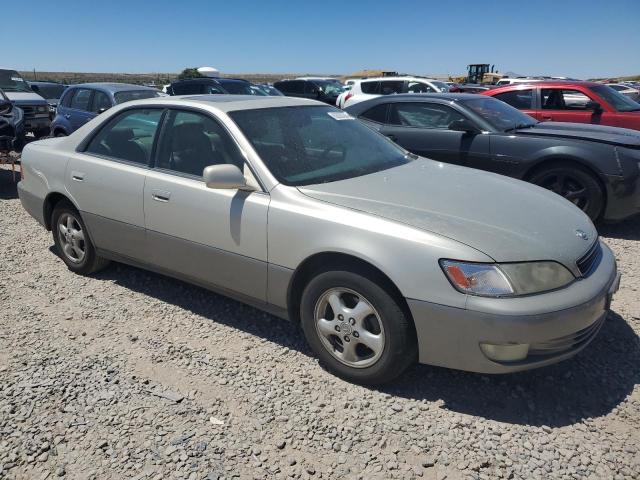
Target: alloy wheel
71,238
349,327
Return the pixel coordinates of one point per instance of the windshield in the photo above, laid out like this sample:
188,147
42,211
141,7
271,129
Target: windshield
311,145
499,115
49,91
617,100
237,88
129,95
11,81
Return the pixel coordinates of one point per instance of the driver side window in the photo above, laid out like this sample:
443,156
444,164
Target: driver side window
423,115
192,141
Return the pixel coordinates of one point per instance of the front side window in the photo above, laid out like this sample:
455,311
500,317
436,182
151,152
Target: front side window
192,141
130,95
190,88
237,87
423,115
128,137
315,144
387,87
371,88
81,99
563,99
419,87
101,102
520,99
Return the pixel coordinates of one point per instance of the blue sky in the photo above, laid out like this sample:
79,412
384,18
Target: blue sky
563,37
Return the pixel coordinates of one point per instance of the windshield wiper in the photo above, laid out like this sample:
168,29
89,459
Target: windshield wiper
520,126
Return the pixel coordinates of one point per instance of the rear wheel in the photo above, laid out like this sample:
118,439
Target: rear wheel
73,242
357,328
576,184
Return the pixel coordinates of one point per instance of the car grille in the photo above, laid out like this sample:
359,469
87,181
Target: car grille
31,111
560,345
590,261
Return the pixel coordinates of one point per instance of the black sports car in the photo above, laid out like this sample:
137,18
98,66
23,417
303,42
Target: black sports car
595,167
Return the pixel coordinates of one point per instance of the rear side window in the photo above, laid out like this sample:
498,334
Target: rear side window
81,99
130,95
371,88
520,99
293,86
128,137
65,101
423,115
563,99
187,88
418,87
377,113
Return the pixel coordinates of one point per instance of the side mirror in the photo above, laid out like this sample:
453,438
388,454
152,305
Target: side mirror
595,106
463,125
225,176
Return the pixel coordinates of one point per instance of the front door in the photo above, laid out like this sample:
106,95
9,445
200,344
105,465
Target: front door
423,129
570,105
106,181
214,237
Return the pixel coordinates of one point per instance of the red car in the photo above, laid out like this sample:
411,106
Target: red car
567,101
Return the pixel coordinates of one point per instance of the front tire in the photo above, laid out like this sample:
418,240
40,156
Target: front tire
576,184
356,328
73,242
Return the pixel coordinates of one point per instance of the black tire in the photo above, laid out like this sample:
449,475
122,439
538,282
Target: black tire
91,262
60,133
400,345
42,133
575,183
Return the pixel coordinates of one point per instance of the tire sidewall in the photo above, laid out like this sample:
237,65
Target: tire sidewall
595,192
399,350
86,265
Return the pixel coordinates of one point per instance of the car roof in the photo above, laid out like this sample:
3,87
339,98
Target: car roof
209,79
114,87
229,103
45,83
416,97
401,77
547,83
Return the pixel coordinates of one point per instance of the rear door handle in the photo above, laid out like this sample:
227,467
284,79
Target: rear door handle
160,195
546,118
67,116
77,176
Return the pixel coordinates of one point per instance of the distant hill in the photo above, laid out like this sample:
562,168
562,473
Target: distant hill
148,78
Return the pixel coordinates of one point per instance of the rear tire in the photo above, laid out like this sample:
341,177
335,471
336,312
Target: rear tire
356,328
575,183
73,242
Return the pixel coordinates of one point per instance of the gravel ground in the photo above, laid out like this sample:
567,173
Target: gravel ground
129,374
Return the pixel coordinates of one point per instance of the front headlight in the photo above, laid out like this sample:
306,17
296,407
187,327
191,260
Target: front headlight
506,279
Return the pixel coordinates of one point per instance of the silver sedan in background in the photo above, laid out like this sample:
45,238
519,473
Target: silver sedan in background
293,206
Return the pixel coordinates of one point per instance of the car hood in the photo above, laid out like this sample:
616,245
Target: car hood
507,219
25,97
585,131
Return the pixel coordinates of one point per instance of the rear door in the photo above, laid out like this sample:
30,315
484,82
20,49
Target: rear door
560,104
106,181
79,111
423,129
216,237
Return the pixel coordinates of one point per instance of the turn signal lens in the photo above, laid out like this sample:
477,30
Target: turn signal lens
477,278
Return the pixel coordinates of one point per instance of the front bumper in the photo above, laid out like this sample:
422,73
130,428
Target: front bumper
557,325
37,123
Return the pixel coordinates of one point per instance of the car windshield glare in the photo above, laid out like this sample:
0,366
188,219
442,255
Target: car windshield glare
499,115
129,95
315,144
617,100
11,81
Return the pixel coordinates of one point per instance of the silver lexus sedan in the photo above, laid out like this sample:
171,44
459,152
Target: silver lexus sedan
382,257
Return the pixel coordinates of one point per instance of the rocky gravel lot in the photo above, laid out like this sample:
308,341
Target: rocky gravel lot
129,374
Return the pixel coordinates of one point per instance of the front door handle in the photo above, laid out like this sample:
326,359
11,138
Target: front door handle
67,116
546,117
160,196
77,176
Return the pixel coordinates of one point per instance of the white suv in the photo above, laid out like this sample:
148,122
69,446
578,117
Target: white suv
366,88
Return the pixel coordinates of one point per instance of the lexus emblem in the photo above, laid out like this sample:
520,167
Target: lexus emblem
582,235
